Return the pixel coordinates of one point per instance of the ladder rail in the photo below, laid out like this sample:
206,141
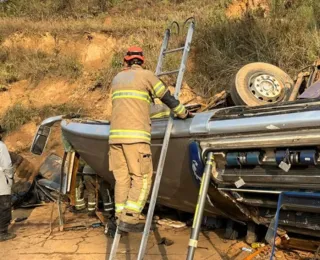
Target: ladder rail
164,47
164,149
184,60
115,245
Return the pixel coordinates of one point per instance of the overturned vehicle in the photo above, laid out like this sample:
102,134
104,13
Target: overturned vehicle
259,152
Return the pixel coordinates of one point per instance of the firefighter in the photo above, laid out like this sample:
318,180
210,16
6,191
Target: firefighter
87,180
6,180
133,89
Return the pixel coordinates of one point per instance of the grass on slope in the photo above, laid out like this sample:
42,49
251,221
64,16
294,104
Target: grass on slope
287,37
19,63
18,115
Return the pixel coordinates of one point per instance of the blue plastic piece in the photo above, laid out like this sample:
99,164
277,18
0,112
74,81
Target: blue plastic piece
280,156
253,158
243,158
232,159
308,157
196,163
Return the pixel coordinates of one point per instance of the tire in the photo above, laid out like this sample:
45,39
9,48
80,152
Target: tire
248,91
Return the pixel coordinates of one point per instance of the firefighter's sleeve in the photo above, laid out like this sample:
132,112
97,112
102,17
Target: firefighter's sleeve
160,90
174,105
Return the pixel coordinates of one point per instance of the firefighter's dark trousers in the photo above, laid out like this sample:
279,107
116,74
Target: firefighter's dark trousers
5,212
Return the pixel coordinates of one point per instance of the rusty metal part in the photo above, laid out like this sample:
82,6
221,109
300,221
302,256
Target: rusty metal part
295,90
215,99
254,254
301,244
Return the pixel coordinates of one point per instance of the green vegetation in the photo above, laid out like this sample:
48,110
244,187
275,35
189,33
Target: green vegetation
20,63
36,9
286,36
19,115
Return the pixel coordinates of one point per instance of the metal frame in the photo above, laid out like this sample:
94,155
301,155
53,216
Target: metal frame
281,202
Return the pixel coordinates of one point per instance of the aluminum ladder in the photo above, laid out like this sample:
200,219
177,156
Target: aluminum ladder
163,52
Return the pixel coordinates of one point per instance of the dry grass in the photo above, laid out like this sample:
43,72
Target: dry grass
36,9
18,115
19,63
288,37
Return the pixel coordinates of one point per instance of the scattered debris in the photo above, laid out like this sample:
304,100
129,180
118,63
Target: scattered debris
215,100
171,223
247,249
257,245
258,252
165,241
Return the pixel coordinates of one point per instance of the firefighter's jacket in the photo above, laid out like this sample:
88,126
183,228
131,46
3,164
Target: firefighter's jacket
6,170
133,90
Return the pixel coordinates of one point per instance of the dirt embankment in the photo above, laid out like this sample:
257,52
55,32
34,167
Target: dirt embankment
95,52
240,7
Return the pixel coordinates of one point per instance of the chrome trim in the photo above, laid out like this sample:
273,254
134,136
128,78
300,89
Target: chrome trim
251,191
263,140
51,120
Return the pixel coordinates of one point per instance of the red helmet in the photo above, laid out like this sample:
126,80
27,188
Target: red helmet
134,52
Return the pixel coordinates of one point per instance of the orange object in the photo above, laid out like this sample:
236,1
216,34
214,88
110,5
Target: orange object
134,52
253,255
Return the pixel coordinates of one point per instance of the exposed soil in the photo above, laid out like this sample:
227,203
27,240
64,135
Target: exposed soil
92,48
35,241
239,8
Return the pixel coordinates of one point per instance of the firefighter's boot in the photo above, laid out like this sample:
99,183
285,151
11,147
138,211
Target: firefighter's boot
4,236
130,222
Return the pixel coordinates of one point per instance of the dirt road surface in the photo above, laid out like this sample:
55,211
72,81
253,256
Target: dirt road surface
34,241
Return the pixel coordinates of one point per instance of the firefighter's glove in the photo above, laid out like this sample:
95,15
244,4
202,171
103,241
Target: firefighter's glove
189,114
186,115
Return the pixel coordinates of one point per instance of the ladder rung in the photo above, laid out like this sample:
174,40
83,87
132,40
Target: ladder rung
156,145
168,73
174,50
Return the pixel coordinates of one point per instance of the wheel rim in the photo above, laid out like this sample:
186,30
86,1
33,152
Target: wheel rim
265,87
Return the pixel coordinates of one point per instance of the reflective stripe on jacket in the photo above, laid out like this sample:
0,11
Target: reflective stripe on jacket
133,90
